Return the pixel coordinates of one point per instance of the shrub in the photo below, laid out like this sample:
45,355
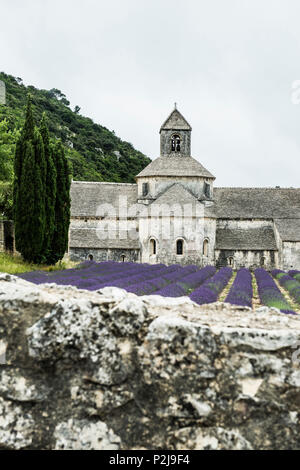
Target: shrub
241,290
269,293
212,287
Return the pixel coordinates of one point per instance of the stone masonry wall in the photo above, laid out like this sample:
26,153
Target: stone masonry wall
104,254
158,185
109,370
291,255
247,259
166,232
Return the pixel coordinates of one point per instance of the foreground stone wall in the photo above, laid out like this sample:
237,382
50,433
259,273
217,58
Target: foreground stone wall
109,370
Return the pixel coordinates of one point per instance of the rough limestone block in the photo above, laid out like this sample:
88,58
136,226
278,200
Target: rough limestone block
110,370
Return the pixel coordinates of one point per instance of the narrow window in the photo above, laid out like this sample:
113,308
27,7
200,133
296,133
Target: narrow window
153,246
179,247
145,189
207,190
262,261
175,143
230,261
205,248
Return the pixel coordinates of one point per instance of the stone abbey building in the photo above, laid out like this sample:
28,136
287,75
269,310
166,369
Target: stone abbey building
175,214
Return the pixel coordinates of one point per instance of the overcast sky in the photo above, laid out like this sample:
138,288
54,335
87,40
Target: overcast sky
229,64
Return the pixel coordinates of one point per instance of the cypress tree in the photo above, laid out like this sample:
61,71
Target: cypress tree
62,204
29,191
50,192
26,135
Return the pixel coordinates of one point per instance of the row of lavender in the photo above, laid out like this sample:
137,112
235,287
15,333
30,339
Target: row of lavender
141,279
92,276
269,293
290,282
202,285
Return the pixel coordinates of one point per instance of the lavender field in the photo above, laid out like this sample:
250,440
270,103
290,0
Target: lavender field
203,285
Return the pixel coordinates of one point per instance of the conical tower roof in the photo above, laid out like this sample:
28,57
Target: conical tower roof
175,166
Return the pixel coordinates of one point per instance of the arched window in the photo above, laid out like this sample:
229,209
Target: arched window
152,246
262,261
91,257
230,261
175,143
179,247
205,247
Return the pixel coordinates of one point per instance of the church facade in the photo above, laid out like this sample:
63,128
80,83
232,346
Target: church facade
175,214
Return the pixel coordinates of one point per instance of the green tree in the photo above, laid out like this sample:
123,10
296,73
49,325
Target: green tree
26,135
50,191
62,204
29,191
7,149
6,200
92,142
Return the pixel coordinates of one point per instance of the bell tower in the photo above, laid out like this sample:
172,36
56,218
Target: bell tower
175,136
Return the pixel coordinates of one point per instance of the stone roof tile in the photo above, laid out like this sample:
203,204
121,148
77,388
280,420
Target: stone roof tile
289,229
246,239
175,166
89,238
176,121
86,197
176,194
260,203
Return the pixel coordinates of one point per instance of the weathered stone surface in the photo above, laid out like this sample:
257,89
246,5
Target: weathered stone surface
16,426
109,370
84,435
195,438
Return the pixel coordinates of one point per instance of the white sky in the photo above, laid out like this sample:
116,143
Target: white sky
229,64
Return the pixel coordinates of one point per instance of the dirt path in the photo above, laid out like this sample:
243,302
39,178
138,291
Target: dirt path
256,303
227,288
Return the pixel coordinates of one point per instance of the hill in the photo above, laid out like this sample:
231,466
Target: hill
94,152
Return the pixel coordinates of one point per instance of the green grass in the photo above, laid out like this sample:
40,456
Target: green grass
14,264
280,275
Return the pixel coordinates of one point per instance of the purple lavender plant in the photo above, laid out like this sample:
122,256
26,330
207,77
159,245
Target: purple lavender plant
212,287
295,274
241,290
289,283
171,290
269,293
195,279
186,283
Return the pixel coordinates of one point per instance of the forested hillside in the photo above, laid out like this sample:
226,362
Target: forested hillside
94,152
